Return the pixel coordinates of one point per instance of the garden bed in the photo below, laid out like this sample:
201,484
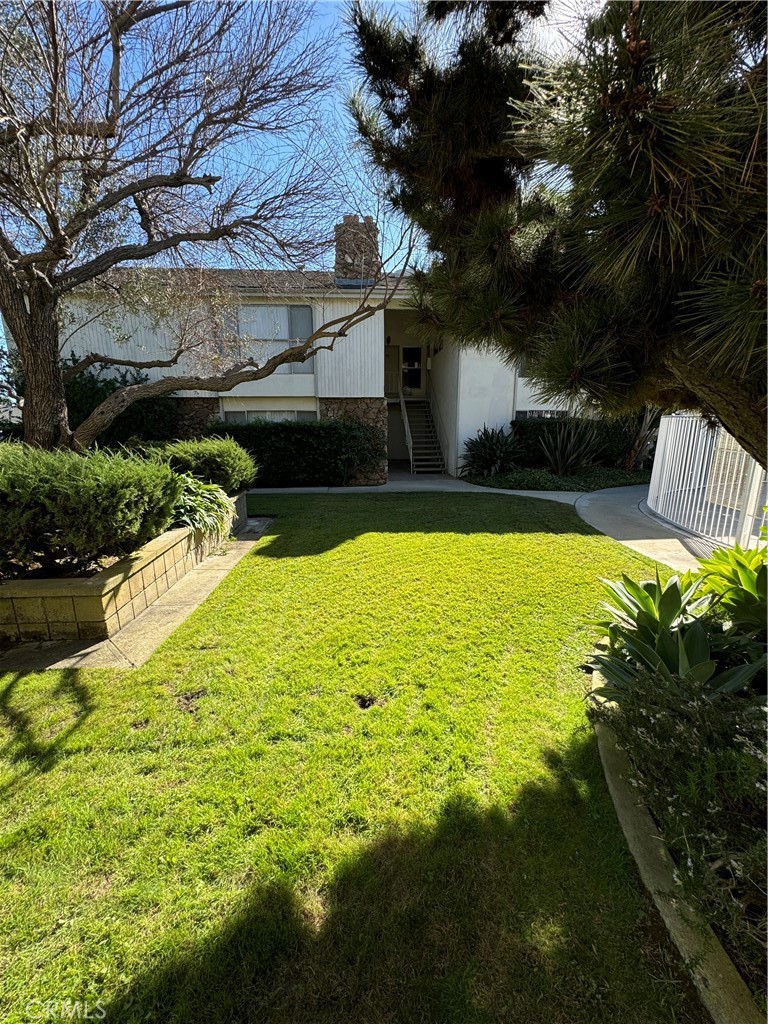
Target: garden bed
97,607
591,479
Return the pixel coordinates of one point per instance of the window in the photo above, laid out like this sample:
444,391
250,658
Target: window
267,330
273,415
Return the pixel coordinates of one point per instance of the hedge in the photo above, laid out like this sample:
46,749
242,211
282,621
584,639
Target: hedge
62,511
213,460
320,453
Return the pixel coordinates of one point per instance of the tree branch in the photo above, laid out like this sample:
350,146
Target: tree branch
324,338
105,261
138,364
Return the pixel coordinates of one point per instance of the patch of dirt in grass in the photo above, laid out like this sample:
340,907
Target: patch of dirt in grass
141,723
188,701
365,701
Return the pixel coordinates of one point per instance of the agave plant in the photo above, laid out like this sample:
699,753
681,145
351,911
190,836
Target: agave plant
682,654
571,446
491,452
738,580
672,632
648,606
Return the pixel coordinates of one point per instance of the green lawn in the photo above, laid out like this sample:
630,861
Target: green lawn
356,786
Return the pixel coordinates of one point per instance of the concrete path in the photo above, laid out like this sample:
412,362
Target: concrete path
621,513
403,483
134,645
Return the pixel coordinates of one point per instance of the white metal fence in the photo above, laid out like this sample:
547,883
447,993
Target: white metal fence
704,482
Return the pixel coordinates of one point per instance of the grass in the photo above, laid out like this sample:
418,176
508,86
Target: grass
355,787
594,479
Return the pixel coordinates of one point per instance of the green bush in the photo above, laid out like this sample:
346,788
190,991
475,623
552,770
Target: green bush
616,439
571,446
593,479
320,453
490,452
700,766
204,507
214,460
63,511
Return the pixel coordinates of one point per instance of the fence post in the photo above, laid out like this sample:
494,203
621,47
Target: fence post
748,502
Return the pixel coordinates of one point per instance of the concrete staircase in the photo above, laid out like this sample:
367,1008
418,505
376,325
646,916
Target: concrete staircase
427,454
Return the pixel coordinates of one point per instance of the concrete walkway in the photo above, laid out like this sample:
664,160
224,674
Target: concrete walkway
405,483
622,513
135,644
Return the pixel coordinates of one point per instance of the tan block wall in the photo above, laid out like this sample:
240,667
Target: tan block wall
102,605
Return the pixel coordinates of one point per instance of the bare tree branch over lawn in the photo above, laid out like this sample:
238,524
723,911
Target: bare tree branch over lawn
143,130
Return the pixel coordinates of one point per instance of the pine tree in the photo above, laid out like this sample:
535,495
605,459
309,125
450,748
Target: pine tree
639,275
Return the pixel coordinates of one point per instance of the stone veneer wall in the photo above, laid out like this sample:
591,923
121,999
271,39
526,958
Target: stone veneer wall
194,414
366,410
99,606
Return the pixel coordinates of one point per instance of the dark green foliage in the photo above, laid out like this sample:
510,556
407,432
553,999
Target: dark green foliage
312,453
152,419
204,507
615,440
64,511
572,445
700,765
491,452
644,282
214,460
444,162
684,664
11,431
592,479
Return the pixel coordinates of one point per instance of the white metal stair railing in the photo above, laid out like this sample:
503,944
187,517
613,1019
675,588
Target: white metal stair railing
406,426
705,483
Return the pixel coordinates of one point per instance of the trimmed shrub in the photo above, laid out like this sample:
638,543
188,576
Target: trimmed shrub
615,439
62,511
490,452
204,507
320,453
214,460
595,478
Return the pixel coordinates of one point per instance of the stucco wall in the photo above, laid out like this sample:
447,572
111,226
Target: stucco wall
444,391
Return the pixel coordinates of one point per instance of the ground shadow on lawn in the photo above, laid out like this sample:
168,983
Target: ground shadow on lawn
323,527
25,745
524,915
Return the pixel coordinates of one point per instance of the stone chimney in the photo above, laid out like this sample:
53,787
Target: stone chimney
357,250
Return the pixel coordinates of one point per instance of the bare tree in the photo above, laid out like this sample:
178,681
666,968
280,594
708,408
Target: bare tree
135,130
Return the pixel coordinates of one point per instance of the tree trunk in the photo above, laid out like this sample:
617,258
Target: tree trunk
740,408
33,323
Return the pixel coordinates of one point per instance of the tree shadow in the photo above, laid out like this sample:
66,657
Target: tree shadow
529,913
25,746
327,521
